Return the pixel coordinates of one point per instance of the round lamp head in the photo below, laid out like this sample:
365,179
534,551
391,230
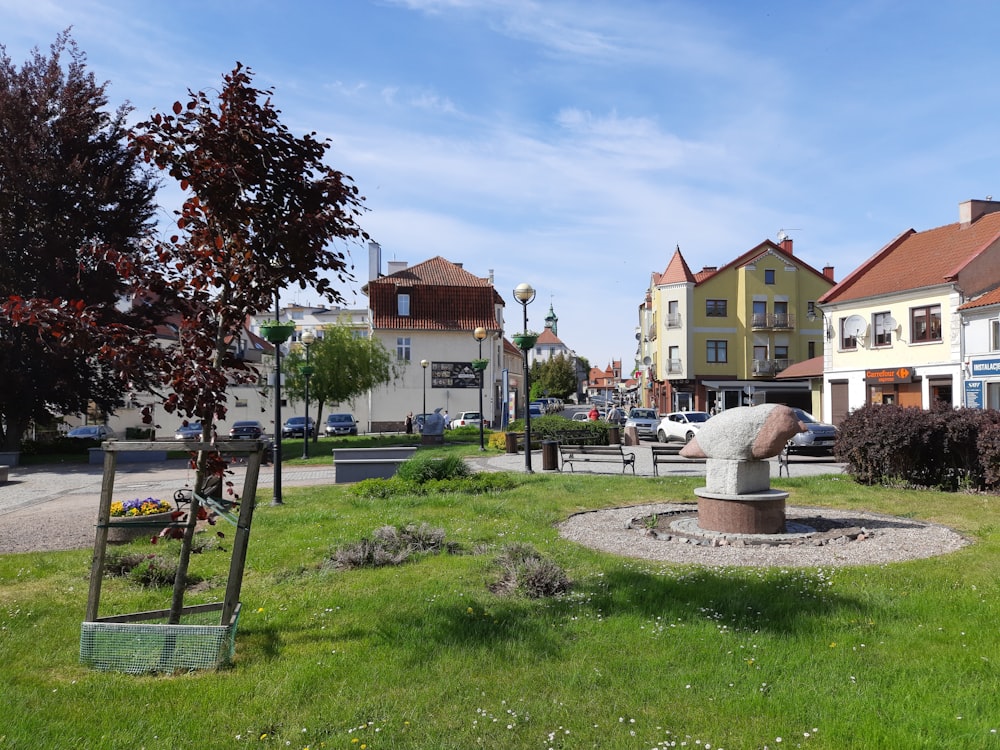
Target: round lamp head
479,334
424,363
524,293
308,338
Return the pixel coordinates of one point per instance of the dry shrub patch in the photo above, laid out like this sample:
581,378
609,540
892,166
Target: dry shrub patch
522,569
392,545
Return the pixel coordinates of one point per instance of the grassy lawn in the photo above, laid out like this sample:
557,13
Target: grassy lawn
423,656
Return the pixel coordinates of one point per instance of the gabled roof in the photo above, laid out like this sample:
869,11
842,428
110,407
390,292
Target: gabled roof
443,297
547,337
764,248
916,260
810,368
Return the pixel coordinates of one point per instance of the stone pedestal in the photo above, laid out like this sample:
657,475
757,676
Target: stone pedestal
738,498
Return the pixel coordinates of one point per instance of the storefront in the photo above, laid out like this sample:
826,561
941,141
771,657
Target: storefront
982,388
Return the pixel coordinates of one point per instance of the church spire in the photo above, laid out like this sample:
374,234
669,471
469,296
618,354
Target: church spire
552,321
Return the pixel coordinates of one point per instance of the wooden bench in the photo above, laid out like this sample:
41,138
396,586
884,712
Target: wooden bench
571,454
670,454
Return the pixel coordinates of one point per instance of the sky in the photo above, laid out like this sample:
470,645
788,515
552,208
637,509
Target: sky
574,144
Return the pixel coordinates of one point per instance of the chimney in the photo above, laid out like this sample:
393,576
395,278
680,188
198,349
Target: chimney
709,269
395,266
828,272
786,245
971,210
374,260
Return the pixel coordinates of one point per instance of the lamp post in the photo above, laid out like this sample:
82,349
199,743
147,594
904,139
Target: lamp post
525,293
479,334
276,499
423,414
307,370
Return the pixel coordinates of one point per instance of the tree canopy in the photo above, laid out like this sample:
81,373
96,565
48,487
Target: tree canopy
69,189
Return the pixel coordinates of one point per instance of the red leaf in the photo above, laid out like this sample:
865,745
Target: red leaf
178,108
218,242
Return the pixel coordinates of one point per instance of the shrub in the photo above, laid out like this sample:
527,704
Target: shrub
149,571
523,569
391,545
424,468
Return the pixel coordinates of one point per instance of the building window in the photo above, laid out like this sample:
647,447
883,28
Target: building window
715,308
847,342
768,275
995,335
925,323
781,319
881,323
403,304
811,346
403,348
717,351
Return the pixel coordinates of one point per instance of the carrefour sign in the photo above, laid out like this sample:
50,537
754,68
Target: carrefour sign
986,367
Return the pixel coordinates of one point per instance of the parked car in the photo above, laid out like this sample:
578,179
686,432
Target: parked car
296,427
191,431
467,419
246,429
340,424
645,421
536,410
680,425
818,440
581,416
91,432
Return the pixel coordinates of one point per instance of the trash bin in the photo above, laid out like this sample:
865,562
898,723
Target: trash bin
550,455
631,436
511,444
614,436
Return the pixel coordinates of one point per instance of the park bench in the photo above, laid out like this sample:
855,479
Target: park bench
572,454
670,454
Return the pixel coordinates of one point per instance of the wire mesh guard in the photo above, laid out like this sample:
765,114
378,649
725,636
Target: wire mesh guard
137,648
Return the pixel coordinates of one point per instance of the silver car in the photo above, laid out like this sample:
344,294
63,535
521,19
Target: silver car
818,439
645,421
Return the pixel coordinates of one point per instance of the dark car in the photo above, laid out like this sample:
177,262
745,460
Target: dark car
818,439
246,430
296,427
188,432
340,424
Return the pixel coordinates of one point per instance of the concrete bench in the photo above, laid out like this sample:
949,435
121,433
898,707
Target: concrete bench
670,454
357,464
572,454
4,473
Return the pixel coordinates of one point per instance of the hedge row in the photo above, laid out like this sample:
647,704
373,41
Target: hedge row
945,448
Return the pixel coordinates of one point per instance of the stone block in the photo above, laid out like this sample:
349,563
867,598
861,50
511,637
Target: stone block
726,476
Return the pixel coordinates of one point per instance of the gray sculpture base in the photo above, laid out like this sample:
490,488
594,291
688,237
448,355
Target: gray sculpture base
738,498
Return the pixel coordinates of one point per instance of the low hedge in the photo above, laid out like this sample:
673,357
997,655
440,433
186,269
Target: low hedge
945,448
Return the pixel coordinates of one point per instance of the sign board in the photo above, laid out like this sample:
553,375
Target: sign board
453,375
983,368
889,375
974,394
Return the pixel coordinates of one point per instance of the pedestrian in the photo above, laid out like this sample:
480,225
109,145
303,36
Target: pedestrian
409,423
447,420
593,415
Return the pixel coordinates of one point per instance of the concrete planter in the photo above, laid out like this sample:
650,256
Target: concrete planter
10,458
127,457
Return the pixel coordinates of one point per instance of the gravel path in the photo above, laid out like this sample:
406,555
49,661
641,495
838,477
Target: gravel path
888,539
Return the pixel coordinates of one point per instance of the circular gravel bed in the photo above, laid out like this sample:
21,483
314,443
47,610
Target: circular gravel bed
867,538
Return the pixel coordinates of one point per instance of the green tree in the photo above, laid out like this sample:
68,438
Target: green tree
68,185
553,377
345,366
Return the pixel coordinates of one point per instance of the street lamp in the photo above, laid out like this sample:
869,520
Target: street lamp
479,334
307,370
525,293
423,414
276,498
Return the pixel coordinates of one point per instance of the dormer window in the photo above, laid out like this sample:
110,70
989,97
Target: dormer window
403,305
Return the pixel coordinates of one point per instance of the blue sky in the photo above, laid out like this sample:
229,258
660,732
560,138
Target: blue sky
573,144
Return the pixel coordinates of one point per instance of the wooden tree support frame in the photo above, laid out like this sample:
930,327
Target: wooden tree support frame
229,607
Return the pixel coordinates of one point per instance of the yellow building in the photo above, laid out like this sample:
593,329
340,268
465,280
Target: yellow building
718,338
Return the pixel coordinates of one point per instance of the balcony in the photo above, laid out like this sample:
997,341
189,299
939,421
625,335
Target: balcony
673,320
675,367
766,368
772,321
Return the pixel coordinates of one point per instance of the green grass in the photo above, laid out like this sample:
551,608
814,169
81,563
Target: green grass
638,655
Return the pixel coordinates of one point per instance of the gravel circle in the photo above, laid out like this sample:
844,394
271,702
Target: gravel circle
891,539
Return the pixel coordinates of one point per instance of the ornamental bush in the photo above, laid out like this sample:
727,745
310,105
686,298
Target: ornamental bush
945,448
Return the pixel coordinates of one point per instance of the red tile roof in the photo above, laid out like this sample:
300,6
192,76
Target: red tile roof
983,300
810,368
443,297
915,260
547,337
677,271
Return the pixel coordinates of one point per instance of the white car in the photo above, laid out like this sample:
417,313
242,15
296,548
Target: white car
467,419
645,421
680,426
